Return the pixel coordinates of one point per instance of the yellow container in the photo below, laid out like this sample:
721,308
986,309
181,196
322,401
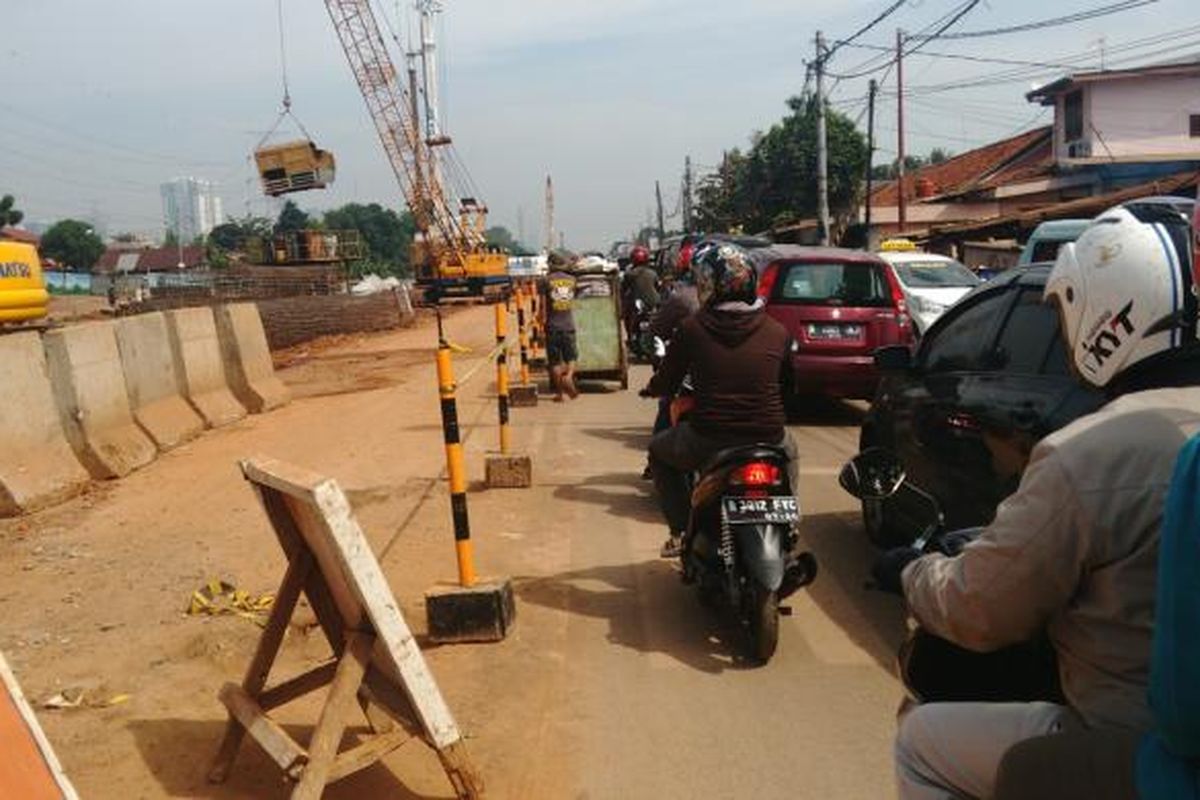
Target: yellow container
294,167
23,294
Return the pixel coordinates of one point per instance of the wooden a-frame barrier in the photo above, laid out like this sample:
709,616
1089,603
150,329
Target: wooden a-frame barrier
377,664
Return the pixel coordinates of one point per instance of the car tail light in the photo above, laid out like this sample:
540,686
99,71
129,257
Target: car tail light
903,320
766,284
756,473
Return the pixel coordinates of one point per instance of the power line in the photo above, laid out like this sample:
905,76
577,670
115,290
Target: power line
1079,16
922,39
893,8
975,59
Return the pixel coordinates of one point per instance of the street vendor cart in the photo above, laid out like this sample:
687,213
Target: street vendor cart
598,330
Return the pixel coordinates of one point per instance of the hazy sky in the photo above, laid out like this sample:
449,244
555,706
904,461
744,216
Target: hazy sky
105,100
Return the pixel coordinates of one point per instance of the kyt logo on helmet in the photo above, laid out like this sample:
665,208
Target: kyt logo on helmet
1103,344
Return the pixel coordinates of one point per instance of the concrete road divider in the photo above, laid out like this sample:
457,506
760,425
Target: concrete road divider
89,389
197,354
153,384
247,358
37,466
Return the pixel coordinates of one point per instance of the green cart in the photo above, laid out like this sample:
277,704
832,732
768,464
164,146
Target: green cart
599,332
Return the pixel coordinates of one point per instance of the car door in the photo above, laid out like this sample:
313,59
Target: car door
938,434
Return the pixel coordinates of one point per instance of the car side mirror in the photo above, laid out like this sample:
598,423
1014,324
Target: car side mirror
894,358
873,474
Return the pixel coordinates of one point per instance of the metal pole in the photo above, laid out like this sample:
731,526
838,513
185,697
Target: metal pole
455,467
872,90
502,375
687,194
822,145
662,233
903,203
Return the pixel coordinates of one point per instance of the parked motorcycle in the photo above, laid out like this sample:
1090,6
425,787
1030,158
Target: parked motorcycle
934,669
742,532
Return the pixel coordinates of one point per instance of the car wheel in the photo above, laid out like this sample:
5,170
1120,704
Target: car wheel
880,524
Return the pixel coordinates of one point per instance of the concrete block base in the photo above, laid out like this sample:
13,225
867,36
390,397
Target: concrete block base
484,612
523,396
508,472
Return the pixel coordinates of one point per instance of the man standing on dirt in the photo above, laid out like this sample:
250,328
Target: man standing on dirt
561,352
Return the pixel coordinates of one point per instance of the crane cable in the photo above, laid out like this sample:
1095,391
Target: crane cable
286,105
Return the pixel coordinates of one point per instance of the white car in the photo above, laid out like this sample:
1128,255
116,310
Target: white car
931,283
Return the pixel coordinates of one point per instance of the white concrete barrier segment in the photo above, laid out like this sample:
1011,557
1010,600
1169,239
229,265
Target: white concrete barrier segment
37,466
153,384
197,355
89,390
247,358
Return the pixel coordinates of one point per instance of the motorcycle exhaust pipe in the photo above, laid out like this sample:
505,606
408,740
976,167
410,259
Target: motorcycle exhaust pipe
800,573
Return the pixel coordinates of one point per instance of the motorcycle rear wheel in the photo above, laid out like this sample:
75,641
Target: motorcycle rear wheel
762,622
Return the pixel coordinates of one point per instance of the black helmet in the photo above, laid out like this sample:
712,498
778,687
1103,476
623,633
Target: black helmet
724,273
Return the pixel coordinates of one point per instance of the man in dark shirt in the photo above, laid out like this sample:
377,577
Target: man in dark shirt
638,284
561,351
739,360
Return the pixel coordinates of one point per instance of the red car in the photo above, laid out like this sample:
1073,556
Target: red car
840,306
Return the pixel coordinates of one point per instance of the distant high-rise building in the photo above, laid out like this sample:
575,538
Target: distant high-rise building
191,207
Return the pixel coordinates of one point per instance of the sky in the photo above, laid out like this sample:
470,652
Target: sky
105,101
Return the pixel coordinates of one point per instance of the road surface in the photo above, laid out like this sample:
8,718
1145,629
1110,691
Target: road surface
615,683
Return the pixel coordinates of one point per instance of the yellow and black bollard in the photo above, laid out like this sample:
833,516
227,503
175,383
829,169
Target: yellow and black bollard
472,610
455,467
505,470
525,394
502,375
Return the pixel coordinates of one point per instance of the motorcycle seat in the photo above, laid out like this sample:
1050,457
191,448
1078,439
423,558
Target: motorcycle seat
743,453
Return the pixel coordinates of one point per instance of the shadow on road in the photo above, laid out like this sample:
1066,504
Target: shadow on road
647,610
636,437
826,412
179,752
873,620
622,494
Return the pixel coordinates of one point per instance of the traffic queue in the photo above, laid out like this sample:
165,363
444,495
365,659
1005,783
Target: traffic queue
1029,469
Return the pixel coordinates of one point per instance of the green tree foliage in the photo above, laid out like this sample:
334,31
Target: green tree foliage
387,236
889,172
9,215
231,236
774,183
73,244
291,218
500,236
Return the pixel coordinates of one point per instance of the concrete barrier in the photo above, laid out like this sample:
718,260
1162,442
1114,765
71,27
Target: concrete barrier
197,355
153,384
247,358
37,466
89,389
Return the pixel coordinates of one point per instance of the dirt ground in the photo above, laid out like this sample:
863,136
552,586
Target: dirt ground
600,679
75,307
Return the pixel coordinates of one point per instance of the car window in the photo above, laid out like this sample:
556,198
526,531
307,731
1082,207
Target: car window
935,274
835,285
1029,332
1046,250
1056,359
961,342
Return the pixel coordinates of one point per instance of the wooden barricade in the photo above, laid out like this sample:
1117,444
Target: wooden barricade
377,664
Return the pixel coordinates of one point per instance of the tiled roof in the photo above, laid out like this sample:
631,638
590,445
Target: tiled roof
972,169
19,235
157,259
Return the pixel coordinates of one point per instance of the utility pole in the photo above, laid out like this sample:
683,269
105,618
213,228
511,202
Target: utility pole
662,233
871,91
903,203
521,225
548,223
687,194
822,146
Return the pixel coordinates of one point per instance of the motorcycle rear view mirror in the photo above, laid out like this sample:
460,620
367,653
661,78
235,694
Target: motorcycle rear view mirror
873,474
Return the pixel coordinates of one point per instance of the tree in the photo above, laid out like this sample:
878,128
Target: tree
500,236
387,236
125,237
291,218
73,244
774,183
8,214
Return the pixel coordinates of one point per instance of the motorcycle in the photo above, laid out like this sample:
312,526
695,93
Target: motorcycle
933,669
642,340
736,552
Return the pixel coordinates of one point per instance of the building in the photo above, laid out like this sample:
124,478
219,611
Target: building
1117,135
191,208
1139,115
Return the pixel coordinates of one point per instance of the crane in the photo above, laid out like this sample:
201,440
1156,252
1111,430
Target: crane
449,251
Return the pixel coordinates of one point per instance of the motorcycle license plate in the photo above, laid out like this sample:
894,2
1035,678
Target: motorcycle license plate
759,510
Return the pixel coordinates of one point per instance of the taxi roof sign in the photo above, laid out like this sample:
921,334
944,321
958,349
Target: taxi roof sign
897,246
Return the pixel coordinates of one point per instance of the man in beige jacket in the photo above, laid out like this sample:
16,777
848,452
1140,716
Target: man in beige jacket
1073,552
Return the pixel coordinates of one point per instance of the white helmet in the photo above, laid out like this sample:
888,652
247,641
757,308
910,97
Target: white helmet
1125,290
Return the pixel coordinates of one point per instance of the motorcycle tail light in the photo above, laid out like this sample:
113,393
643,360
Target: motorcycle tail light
756,473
